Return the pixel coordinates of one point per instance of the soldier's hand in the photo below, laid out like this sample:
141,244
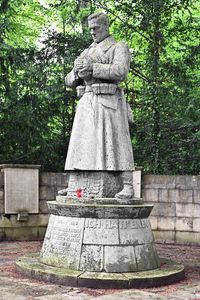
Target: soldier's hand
78,64
87,64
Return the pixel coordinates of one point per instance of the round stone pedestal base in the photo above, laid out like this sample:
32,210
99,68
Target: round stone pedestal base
168,273
99,237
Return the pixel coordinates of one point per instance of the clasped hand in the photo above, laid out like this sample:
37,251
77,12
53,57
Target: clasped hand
83,64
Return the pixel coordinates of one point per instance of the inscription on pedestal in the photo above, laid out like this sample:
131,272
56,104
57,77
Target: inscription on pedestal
101,223
64,242
101,231
135,232
132,224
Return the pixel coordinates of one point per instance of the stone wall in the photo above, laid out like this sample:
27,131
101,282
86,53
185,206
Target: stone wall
1,193
176,214
175,217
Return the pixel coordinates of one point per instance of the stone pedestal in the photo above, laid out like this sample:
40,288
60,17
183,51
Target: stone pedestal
100,243
99,236
94,184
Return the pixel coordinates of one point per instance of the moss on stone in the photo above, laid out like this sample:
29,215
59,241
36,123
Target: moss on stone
168,273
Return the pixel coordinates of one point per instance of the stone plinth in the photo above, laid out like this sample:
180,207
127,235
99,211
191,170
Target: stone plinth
99,236
21,188
95,184
100,243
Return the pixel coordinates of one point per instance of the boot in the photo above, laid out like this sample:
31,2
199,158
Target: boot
127,191
63,192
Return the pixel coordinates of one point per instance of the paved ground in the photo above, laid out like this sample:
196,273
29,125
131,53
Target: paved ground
14,286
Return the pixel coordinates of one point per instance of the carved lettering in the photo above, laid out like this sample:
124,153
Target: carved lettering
112,223
101,224
132,224
144,223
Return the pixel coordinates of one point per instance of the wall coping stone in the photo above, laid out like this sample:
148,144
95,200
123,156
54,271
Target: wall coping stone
19,166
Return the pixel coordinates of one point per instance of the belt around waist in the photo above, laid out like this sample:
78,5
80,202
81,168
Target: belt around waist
97,88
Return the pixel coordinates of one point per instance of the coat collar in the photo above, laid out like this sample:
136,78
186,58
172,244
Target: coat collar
105,44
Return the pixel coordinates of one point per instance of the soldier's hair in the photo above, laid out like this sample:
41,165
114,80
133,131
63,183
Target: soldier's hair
100,17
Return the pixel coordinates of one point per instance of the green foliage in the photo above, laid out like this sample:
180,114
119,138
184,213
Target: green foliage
39,41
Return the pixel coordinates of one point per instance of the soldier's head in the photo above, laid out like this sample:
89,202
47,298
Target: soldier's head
99,26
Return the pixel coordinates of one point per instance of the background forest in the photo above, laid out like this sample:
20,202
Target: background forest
39,41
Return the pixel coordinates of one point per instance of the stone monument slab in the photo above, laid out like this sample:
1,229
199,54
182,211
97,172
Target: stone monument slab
21,187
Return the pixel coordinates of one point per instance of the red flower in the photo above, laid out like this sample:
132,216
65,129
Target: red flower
79,193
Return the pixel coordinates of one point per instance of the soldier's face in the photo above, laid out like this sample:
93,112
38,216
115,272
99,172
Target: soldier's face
98,30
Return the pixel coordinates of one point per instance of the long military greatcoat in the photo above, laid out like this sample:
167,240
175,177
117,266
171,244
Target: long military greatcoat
100,138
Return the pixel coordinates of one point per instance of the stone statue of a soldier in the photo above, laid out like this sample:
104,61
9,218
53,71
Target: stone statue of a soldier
100,139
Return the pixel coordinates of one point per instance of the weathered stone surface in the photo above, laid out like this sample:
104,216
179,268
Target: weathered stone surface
145,257
99,201
127,211
101,232
93,234
184,210
187,181
100,139
41,233
2,234
196,196
119,259
103,280
19,166
21,234
154,222
41,219
63,242
1,179
150,195
170,182
47,179
137,182
5,222
135,232
159,181
163,195
91,258
184,224
145,211
166,223
54,179
21,189
196,210
187,237
79,209
43,208
181,195
97,184
75,210
169,273
1,195
36,220
164,236
164,209
47,193
196,224
62,179
1,206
